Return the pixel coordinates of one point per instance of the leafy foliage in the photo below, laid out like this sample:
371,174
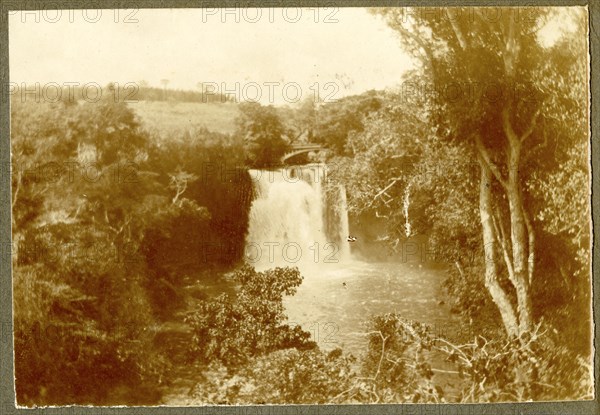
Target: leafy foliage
335,120
288,376
263,134
92,204
100,262
233,330
533,368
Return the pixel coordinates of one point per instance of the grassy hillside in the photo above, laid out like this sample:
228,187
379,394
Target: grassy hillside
168,117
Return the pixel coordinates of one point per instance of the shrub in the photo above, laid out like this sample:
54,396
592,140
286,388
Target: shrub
231,330
532,367
289,376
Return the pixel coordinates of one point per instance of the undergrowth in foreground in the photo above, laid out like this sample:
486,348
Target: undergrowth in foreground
252,357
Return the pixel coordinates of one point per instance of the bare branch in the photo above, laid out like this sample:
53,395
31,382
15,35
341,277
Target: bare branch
457,349
383,340
179,182
381,192
459,268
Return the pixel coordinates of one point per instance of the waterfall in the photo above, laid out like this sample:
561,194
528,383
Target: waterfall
295,220
344,230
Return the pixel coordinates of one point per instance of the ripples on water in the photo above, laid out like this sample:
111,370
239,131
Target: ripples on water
336,314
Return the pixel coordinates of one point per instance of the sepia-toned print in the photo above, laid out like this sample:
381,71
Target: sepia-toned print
283,205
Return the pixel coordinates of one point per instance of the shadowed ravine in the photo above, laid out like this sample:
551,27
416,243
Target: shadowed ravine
296,219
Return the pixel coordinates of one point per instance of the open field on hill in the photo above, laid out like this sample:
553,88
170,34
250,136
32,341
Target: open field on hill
167,117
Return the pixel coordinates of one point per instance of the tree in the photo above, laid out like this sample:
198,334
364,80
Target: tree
79,274
232,330
502,130
179,183
299,121
262,132
335,120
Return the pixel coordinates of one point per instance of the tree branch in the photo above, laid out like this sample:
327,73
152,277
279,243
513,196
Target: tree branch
531,127
507,125
16,192
383,340
486,158
501,238
512,48
428,55
385,189
531,246
457,32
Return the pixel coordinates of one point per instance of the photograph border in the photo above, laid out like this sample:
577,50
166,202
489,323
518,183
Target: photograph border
7,390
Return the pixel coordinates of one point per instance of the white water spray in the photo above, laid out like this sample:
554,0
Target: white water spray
294,222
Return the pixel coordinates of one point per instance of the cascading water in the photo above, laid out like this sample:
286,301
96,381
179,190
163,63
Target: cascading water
294,221
299,218
344,224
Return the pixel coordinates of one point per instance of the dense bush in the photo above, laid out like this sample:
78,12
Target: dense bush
80,307
81,319
252,356
232,330
216,180
336,120
404,362
288,376
263,135
534,367
102,236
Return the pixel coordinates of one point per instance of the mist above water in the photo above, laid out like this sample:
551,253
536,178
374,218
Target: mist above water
296,221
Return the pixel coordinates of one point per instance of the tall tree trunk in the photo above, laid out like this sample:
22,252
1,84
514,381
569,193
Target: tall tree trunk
521,239
499,296
519,231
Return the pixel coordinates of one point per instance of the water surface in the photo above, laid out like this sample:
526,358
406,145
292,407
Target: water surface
335,313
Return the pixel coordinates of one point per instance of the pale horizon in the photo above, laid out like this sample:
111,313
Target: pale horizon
328,50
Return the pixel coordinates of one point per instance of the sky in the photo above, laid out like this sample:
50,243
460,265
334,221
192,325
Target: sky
271,55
